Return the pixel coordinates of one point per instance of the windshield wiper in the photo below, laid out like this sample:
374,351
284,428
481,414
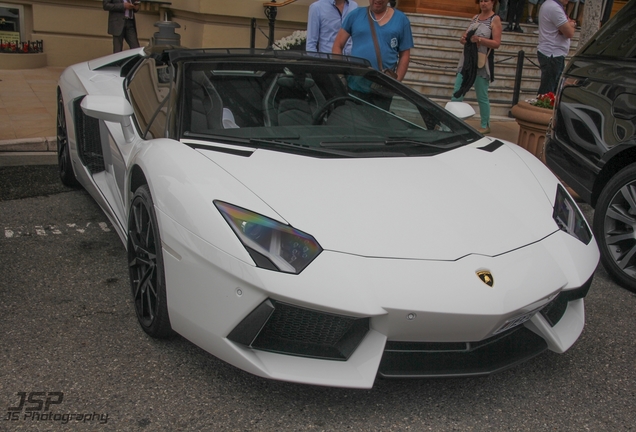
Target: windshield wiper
295,147
445,142
402,141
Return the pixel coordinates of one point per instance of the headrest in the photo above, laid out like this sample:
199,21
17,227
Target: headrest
293,81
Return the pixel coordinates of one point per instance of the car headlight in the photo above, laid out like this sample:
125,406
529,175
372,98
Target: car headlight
271,244
568,217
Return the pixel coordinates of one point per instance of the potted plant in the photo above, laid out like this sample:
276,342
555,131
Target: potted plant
533,117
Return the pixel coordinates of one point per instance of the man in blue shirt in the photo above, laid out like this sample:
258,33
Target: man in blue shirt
323,23
393,31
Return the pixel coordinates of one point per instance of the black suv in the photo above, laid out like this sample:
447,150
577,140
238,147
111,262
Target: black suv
591,143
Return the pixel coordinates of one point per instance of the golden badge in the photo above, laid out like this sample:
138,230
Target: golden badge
486,277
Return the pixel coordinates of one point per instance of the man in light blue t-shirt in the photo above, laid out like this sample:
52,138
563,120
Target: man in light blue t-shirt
324,21
555,32
393,31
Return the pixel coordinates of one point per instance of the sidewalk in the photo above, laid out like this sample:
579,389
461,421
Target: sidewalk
27,116
28,110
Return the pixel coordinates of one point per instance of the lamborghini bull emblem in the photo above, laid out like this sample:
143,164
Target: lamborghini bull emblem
486,277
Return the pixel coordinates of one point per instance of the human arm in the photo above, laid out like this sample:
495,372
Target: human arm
341,39
403,63
495,41
567,29
111,6
313,28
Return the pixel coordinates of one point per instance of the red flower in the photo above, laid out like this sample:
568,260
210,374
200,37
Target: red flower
545,100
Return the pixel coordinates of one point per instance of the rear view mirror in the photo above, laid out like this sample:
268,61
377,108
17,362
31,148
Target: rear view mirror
460,109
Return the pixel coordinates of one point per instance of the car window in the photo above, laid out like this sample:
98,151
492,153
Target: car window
149,90
334,109
617,38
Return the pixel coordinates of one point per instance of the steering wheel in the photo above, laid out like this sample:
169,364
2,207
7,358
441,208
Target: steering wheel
320,113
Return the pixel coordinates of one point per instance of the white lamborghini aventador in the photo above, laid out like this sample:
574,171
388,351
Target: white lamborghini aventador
306,218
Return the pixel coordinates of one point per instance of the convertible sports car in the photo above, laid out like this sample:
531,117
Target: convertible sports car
306,218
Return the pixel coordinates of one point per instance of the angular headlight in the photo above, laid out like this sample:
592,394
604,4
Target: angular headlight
271,245
567,216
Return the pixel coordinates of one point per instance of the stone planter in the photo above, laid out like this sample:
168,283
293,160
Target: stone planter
533,124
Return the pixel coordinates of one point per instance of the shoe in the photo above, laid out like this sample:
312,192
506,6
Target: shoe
517,29
529,20
508,29
484,131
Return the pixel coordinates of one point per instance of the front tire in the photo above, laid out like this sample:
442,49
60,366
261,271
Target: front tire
65,168
145,263
615,227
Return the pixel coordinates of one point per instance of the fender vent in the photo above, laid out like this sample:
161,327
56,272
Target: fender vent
89,144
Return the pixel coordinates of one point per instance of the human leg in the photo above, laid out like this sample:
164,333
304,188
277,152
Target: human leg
458,83
531,4
517,14
118,43
481,90
130,34
551,70
503,12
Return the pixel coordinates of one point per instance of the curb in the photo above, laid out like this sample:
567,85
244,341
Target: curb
43,144
28,151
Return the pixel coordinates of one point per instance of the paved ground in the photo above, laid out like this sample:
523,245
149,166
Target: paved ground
68,329
28,111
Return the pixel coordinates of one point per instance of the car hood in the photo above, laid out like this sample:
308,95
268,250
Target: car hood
465,201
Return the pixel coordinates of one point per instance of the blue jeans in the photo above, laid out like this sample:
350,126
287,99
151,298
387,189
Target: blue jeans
481,89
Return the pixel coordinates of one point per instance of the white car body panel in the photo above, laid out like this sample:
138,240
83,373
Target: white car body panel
370,199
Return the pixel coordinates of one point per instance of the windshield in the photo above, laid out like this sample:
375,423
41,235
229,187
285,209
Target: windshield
326,109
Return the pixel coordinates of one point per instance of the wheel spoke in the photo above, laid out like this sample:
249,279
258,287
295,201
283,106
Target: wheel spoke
142,253
613,239
150,305
628,193
149,234
617,213
625,259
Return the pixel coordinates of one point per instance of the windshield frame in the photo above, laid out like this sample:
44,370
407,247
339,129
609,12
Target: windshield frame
309,135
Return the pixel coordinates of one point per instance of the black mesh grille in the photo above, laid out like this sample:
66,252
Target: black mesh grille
89,145
447,360
310,333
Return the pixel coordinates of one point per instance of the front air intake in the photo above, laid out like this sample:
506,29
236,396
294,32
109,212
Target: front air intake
286,329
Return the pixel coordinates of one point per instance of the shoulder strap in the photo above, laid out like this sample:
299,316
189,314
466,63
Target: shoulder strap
375,40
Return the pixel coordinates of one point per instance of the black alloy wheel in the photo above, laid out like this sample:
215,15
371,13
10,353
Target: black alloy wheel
145,263
615,227
65,168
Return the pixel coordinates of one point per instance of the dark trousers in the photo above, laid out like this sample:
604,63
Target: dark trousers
515,11
129,33
551,70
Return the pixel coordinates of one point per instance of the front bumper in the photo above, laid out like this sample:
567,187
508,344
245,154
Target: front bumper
430,303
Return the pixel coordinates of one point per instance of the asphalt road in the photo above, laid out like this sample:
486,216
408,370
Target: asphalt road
72,351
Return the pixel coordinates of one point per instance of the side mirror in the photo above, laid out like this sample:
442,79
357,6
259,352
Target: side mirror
114,109
460,109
